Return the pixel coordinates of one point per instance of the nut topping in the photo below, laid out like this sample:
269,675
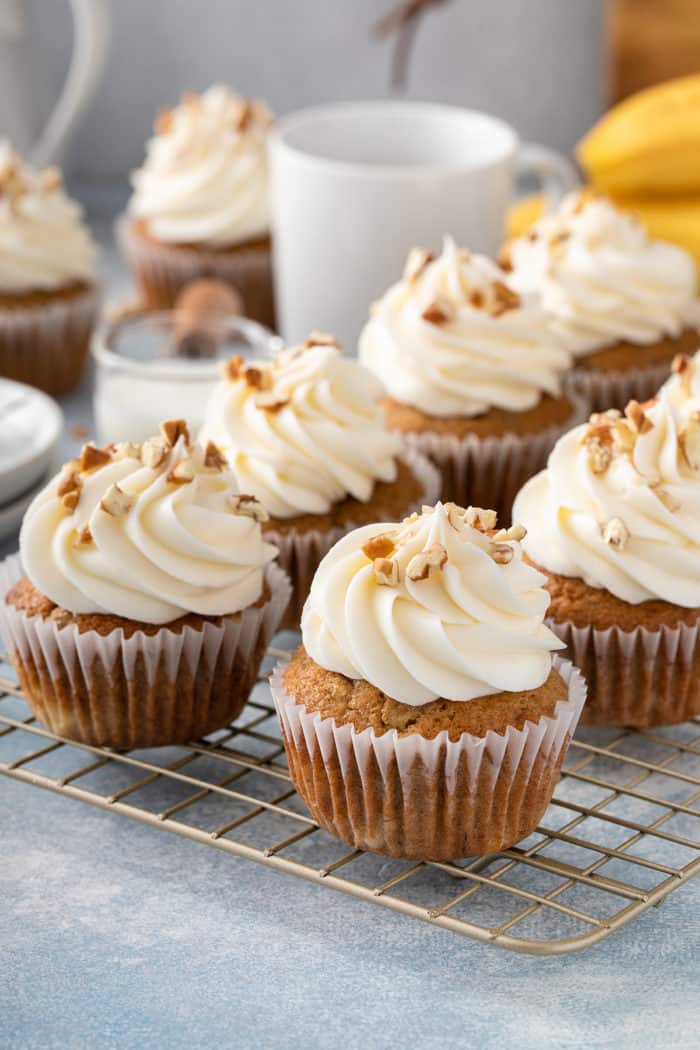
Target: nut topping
321,339
91,458
419,566
233,367
504,298
83,537
214,459
182,473
116,502
173,429
478,518
616,534
437,313
258,378
599,455
381,546
637,417
515,532
249,507
153,452
71,499
126,450
386,572
69,482
502,553
418,260
269,401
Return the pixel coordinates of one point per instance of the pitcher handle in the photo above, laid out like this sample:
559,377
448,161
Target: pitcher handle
91,19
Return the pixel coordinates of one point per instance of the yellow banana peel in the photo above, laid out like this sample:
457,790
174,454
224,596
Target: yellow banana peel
648,144
675,219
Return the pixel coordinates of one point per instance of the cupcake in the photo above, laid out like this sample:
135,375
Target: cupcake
144,595
614,521
473,376
49,298
200,203
624,305
424,715
306,435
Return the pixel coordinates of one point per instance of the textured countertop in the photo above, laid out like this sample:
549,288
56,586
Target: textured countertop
115,934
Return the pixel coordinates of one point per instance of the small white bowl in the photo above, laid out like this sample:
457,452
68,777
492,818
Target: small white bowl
31,424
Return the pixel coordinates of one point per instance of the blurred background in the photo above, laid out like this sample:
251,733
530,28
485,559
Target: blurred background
540,64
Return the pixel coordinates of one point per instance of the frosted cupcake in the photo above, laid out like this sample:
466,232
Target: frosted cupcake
623,304
200,202
425,715
472,373
49,298
144,596
305,434
614,521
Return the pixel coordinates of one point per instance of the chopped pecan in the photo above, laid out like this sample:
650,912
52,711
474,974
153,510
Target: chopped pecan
478,518
419,566
386,572
91,458
214,459
616,534
249,507
381,546
153,452
173,429
637,417
116,502
515,532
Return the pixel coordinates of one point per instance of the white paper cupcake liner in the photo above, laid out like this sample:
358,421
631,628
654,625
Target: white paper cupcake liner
490,471
641,678
162,271
46,345
615,389
408,796
145,690
300,553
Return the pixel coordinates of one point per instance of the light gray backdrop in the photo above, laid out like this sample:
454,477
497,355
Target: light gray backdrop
538,63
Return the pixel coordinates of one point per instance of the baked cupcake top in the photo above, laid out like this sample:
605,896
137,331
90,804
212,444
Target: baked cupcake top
204,180
601,278
304,430
619,503
452,338
438,605
44,243
149,532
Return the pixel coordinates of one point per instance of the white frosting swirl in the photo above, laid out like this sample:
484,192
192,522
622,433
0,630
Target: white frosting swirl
626,516
468,629
44,243
489,350
323,438
204,180
601,279
179,548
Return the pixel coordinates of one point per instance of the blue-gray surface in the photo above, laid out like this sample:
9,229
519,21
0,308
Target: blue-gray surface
115,934
118,935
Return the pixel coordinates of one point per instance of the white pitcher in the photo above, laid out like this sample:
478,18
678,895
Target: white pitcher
90,40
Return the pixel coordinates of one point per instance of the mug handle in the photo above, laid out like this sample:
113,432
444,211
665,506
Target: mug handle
556,174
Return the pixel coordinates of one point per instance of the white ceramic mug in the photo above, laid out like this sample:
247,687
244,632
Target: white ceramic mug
355,186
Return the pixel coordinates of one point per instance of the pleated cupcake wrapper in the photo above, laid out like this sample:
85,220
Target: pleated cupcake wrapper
408,796
301,553
162,271
641,678
46,345
142,691
615,389
490,471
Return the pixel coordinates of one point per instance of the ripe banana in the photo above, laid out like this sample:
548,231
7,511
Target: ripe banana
648,144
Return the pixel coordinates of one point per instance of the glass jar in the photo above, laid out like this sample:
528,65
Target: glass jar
150,367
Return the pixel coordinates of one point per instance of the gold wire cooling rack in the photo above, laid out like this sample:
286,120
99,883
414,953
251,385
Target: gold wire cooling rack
622,832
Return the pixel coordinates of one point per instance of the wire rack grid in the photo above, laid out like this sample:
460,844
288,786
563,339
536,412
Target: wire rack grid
622,832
